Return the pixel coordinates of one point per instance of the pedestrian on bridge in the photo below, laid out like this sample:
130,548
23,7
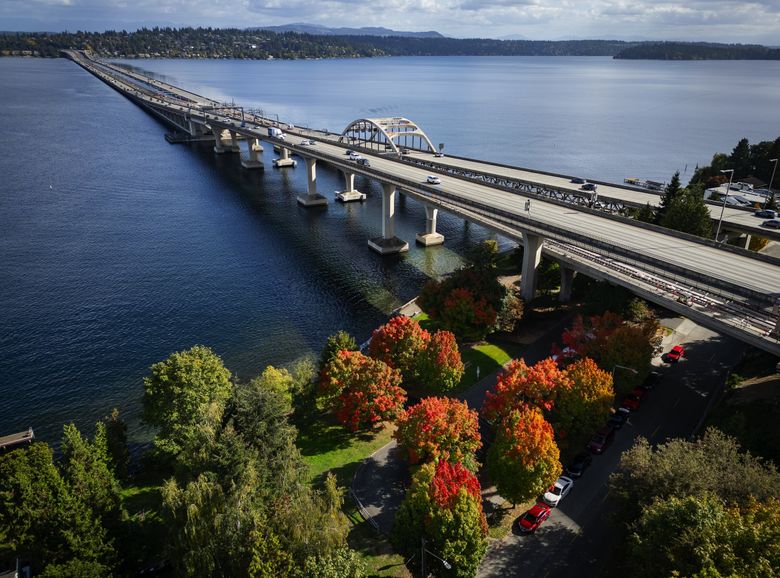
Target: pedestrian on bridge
528,206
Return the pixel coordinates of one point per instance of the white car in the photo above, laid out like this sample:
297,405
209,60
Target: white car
307,142
438,155
434,180
558,490
353,156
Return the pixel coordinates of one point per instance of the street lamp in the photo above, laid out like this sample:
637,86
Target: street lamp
423,550
771,180
726,196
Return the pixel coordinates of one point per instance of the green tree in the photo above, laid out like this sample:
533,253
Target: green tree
771,203
511,312
688,213
180,392
116,438
337,342
646,214
670,195
341,563
76,569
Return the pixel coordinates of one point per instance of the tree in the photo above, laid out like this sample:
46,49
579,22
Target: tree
341,563
443,507
700,536
362,391
116,438
669,196
689,213
438,365
179,392
398,343
771,203
713,463
337,342
511,311
76,569
439,428
467,316
518,385
582,407
523,459
646,214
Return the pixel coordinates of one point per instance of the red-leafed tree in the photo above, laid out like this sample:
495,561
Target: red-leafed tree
362,391
587,336
444,506
524,459
584,406
398,343
520,384
439,366
469,317
439,429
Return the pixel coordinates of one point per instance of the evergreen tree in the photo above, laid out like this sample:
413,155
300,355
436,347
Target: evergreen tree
688,213
647,214
672,192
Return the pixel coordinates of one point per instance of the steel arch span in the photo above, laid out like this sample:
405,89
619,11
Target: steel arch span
387,134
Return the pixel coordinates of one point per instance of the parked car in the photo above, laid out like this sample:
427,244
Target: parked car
766,214
579,464
677,352
651,380
558,491
617,419
578,181
589,187
772,224
601,439
633,400
533,518
434,180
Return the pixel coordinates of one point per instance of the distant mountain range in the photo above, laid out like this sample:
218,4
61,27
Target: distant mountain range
317,30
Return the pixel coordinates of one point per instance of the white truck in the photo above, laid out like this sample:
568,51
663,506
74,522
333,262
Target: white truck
275,132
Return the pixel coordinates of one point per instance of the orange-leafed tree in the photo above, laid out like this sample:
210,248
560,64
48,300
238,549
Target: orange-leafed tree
524,459
362,391
398,343
584,406
587,336
443,505
469,317
520,384
439,429
439,366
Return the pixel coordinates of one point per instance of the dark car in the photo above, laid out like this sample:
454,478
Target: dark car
601,439
579,464
589,187
772,224
578,181
766,214
633,400
651,380
617,419
533,518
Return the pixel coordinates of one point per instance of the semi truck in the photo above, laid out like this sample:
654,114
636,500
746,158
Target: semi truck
275,132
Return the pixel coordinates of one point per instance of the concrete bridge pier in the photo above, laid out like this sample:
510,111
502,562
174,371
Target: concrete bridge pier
284,159
567,279
312,198
388,243
218,146
430,237
253,161
532,256
350,193
233,146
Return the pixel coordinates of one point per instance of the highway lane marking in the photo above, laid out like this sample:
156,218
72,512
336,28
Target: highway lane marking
655,431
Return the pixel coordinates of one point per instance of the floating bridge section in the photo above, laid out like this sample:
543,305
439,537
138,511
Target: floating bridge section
730,290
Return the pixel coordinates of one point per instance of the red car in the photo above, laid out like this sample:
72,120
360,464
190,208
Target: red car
677,353
634,399
601,440
533,518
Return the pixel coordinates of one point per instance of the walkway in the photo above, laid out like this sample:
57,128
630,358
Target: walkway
380,483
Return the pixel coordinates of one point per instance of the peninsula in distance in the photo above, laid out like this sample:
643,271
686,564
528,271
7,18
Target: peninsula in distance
299,41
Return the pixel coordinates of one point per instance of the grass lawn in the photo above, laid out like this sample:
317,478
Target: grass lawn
144,533
373,548
329,446
500,523
482,360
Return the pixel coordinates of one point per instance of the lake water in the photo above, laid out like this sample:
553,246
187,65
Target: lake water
117,248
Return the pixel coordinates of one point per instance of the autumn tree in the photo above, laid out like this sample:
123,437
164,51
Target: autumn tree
466,315
362,391
523,460
339,341
439,428
518,384
439,367
181,392
584,405
443,508
398,343
698,535
511,311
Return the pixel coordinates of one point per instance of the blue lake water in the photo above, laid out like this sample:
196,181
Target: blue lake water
117,248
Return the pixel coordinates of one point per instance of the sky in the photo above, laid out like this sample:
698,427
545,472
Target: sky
756,22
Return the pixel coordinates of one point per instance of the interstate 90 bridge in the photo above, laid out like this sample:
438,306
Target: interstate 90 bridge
726,288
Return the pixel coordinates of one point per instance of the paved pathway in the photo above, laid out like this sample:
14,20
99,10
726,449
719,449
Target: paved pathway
380,483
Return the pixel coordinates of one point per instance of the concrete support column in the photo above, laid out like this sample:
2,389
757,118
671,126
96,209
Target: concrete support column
430,237
312,198
532,255
746,245
234,148
388,243
349,193
218,148
253,161
567,278
284,159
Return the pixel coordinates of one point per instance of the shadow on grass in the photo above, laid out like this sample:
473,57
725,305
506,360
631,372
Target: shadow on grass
322,434
374,548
